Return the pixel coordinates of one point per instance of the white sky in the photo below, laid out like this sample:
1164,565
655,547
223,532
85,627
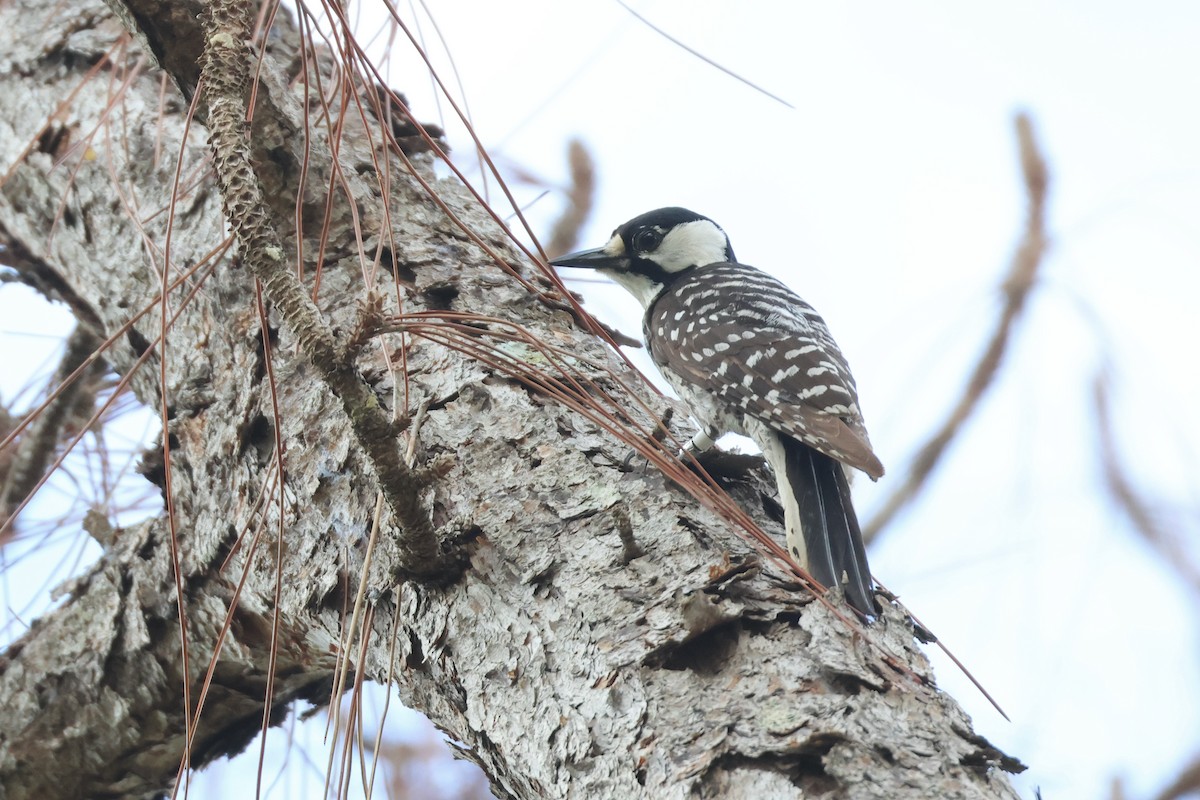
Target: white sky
890,199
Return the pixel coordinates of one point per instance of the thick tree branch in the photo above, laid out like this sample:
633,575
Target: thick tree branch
566,663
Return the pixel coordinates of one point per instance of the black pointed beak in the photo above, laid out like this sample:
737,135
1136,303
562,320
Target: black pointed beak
597,258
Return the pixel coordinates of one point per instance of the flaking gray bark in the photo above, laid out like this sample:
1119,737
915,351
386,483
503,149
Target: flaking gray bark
567,668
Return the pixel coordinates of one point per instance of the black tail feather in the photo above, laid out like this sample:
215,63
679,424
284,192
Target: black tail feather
832,538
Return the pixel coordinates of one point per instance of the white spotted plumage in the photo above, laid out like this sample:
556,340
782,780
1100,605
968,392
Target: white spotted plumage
781,364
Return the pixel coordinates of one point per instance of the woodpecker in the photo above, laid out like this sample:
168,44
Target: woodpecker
748,356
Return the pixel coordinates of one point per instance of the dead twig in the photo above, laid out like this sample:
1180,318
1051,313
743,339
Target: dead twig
1187,783
580,198
34,451
1017,286
703,57
1127,497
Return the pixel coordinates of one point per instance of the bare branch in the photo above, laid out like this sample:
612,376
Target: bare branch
1187,783
1136,506
580,197
1017,286
34,450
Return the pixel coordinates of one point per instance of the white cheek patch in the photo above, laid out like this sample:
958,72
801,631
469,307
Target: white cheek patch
693,244
615,247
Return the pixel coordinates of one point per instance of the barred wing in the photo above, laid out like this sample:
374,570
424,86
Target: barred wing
741,334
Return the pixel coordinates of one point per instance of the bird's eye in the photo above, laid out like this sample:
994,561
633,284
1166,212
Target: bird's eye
647,240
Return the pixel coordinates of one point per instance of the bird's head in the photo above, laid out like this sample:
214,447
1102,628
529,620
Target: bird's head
651,250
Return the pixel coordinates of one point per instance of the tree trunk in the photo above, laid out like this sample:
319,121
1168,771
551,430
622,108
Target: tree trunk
566,666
